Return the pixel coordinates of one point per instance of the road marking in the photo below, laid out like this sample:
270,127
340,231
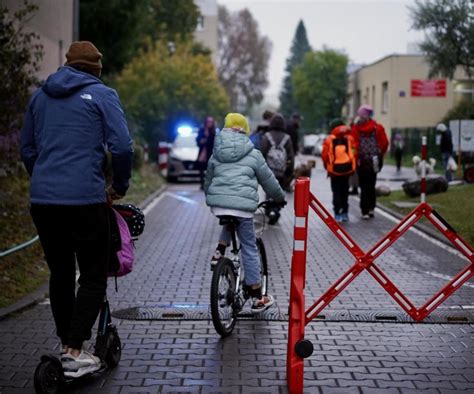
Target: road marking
153,204
423,235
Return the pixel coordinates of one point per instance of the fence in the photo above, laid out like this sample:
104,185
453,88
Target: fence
299,347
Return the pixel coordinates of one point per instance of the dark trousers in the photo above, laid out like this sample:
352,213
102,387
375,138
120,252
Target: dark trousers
340,194
367,180
398,157
67,234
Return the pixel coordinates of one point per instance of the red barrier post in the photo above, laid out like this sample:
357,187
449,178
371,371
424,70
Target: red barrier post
424,158
146,153
163,151
296,321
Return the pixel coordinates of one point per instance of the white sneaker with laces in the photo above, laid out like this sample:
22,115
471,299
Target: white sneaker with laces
81,365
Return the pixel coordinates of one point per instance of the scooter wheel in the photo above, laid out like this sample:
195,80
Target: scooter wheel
49,377
114,348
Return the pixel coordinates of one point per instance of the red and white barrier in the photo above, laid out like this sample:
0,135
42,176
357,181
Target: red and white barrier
299,347
424,158
163,153
146,153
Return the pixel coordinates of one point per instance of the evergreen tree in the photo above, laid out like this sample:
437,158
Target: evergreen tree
299,47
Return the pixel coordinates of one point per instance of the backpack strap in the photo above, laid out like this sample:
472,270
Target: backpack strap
270,139
283,141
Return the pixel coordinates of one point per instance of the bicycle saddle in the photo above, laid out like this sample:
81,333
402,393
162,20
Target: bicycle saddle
227,219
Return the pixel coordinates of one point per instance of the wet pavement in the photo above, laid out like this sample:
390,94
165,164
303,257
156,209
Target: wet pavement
184,354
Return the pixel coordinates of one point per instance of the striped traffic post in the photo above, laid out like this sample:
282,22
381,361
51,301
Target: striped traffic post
296,321
424,157
163,151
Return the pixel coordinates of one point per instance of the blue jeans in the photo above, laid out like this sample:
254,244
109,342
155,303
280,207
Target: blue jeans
248,243
448,174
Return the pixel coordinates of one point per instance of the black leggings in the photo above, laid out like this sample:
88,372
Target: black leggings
67,234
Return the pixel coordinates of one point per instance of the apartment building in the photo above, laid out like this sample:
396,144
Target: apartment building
398,88
206,31
57,23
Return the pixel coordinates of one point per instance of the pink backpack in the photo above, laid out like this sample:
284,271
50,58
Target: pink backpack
125,255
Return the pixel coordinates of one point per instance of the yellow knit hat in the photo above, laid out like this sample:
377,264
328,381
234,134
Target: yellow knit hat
238,122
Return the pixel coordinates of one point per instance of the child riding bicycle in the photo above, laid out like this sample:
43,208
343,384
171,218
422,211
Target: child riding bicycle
233,174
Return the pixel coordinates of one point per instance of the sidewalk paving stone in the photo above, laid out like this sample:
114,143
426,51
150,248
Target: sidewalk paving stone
188,356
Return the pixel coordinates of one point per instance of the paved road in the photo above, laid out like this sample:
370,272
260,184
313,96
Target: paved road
187,355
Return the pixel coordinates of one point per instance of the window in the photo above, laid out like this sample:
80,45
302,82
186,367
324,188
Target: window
384,97
463,90
373,97
200,23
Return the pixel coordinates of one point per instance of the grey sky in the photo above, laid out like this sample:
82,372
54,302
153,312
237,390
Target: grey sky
365,30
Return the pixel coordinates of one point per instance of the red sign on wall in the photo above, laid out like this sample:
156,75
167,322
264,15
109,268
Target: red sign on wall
428,88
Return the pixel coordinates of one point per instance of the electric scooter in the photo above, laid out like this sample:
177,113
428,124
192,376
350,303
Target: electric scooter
49,374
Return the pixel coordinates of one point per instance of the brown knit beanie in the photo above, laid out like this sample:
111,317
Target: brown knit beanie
84,53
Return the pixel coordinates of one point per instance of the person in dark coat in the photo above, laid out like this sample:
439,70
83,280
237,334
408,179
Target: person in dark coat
262,128
446,148
70,122
292,129
205,142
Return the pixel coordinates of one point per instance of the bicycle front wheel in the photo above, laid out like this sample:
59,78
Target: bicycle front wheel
223,293
263,265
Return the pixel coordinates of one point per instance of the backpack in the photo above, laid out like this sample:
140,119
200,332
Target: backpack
277,158
121,254
133,216
369,153
341,157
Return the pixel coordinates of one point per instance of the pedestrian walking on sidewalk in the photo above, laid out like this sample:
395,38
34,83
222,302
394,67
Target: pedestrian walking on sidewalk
398,145
234,172
371,145
277,149
446,148
69,121
339,160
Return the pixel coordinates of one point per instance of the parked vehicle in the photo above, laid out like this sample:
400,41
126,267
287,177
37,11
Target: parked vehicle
318,146
183,155
309,141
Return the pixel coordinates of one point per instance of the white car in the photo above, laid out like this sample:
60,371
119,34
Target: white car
182,157
309,141
318,146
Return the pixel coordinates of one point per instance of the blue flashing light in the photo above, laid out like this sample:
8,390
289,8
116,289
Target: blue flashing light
185,130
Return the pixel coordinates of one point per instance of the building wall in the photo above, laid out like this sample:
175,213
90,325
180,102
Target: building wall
206,32
403,110
54,22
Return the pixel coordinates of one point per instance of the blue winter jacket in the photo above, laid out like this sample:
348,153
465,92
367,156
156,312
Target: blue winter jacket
234,172
70,123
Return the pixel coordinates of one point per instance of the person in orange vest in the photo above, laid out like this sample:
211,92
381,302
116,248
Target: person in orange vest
340,162
371,144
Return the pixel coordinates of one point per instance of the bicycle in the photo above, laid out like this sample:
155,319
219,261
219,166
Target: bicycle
228,292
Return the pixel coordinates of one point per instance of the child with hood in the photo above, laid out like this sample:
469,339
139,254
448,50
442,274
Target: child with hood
234,172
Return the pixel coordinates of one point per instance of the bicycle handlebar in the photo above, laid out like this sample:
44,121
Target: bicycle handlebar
272,204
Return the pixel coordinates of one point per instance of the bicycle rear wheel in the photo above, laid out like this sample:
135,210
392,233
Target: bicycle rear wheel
223,292
263,265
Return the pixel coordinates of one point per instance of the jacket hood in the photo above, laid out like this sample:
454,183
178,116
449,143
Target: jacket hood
66,81
230,146
366,127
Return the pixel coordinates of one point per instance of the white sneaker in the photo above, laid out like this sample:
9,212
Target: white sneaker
81,365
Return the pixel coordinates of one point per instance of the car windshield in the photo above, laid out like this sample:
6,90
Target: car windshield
188,141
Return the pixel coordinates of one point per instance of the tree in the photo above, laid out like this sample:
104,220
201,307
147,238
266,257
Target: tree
299,47
462,110
243,56
119,28
449,39
20,53
159,89
320,83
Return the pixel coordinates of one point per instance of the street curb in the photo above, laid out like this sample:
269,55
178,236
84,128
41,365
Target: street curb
42,292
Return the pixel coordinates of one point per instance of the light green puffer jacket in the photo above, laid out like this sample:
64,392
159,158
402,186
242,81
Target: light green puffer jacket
234,171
